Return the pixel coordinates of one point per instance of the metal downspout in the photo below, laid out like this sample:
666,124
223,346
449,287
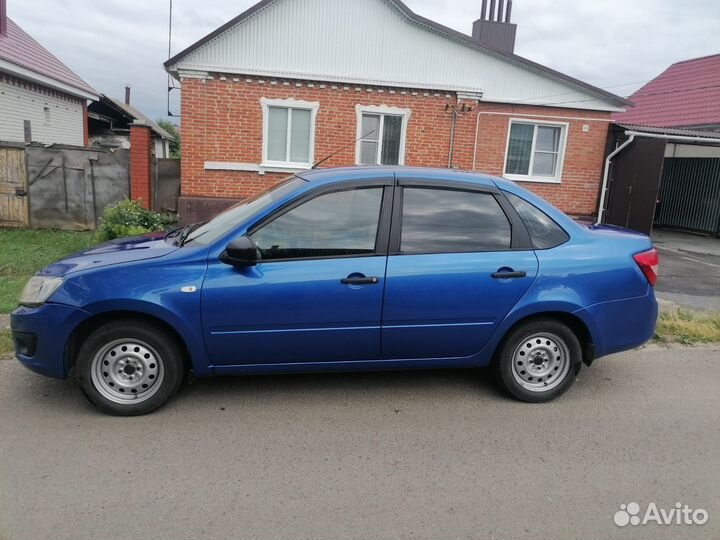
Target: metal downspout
606,176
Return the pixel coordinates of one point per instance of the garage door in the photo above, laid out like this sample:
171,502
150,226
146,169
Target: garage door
690,195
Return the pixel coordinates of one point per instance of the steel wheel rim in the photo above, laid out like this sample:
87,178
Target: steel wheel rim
127,371
541,362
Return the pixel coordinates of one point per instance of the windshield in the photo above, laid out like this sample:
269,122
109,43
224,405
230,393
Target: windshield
235,215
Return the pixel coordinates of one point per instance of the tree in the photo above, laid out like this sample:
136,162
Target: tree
172,129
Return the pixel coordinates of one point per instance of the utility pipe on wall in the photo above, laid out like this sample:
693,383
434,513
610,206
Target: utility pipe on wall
455,115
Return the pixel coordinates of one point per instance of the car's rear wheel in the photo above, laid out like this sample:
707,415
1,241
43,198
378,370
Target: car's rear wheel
127,368
538,360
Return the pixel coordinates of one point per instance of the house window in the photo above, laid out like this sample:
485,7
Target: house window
289,133
535,151
381,135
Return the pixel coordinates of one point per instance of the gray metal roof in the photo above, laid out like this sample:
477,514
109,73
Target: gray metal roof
139,117
672,132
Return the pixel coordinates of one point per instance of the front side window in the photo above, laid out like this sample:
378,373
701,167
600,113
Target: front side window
535,151
450,221
338,224
381,134
289,133
235,216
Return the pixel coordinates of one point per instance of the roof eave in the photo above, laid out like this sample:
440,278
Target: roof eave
44,80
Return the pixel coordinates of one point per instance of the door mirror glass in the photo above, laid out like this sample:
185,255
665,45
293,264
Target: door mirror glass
240,252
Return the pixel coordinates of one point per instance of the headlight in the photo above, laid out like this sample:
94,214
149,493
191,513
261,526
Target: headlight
39,289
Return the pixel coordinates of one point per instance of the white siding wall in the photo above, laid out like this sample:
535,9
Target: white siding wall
61,123
372,42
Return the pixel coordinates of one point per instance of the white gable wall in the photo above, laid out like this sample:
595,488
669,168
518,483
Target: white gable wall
61,123
372,42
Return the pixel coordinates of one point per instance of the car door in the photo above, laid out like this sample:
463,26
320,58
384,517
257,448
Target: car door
316,295
459,260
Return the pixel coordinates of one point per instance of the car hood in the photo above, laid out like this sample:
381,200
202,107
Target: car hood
136,248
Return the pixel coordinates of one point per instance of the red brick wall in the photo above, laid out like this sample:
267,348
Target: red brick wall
222,121
140,164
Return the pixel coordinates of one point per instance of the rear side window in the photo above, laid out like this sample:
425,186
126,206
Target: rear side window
450,221
544,232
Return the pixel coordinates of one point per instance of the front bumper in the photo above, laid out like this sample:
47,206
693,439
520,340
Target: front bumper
41,335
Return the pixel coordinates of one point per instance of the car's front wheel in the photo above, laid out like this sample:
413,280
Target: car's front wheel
128,368
538,360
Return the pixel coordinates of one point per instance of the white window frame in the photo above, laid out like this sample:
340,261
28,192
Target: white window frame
557,179
382,111
313,107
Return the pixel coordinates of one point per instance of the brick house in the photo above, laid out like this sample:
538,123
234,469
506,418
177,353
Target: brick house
290,82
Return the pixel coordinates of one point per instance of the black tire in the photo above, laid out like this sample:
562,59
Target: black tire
159,369
545,340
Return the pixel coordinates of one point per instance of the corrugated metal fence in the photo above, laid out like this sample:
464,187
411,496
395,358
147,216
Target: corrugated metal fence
690,195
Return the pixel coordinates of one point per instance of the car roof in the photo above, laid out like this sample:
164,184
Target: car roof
375,172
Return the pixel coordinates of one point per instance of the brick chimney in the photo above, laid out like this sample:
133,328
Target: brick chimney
493,29
3,17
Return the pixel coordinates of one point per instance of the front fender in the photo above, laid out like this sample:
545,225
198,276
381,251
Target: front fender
168,289
188,326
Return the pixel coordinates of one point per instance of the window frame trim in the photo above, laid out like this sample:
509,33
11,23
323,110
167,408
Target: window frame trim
382,111
519,235
564,132
383,231
289,104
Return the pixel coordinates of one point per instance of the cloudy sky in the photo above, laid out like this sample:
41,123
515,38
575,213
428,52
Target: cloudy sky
614,44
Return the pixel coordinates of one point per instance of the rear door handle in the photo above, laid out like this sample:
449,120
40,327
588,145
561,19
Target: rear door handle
509,275
360,280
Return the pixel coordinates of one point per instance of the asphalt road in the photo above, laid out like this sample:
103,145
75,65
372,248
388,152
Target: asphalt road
385,455
689,279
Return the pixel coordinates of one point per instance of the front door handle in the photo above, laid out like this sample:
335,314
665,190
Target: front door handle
509,275
360,280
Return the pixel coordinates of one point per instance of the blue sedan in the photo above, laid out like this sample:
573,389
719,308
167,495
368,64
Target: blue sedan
345,270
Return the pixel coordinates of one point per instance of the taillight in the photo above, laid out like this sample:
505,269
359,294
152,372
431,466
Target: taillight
649,263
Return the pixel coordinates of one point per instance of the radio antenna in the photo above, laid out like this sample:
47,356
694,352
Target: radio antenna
341,149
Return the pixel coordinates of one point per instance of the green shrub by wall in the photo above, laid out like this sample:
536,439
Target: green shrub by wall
129,218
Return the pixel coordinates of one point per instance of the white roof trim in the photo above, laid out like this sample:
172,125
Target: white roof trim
37,78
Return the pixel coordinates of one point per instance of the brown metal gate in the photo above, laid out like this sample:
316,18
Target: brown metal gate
635,180
13,187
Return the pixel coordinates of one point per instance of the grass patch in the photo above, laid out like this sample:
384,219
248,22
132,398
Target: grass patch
7,348
688,327
23,252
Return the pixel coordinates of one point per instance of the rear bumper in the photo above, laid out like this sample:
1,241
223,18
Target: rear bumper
41,334
621,325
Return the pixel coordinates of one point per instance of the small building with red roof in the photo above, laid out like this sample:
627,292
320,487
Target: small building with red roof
686,95
40,97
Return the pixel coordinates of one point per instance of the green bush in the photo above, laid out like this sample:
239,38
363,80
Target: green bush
129,218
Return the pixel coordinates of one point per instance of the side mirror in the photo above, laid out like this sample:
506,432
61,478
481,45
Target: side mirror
240,252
